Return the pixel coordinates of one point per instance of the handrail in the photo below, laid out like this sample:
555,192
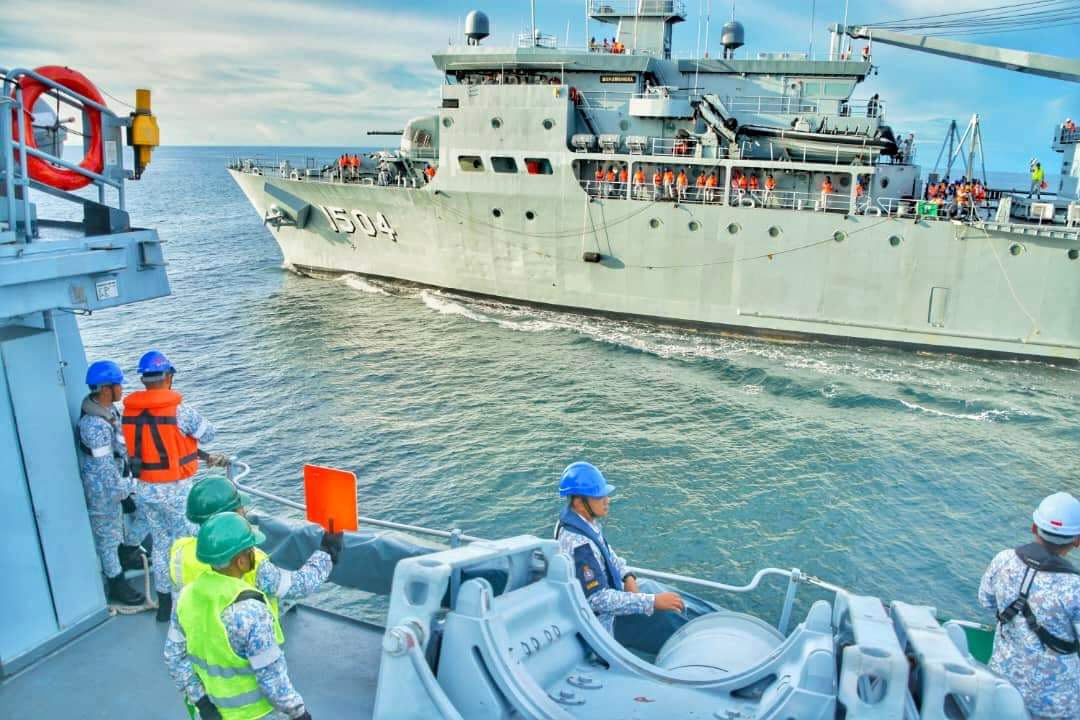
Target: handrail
794,575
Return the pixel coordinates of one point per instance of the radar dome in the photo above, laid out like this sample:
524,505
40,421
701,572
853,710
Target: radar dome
477,27
733,35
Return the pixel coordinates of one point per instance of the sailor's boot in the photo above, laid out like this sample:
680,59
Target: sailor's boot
164,608
131,557
121,593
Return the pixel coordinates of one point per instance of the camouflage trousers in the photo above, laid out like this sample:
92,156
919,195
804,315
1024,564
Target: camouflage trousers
111,527
165,507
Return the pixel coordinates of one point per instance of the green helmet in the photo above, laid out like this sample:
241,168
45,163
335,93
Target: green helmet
223,537
212,496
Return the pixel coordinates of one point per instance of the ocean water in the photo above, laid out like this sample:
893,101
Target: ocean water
890,473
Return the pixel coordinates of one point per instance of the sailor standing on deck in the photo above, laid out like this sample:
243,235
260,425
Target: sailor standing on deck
163,437
609,588
108,486
223,649
1035,593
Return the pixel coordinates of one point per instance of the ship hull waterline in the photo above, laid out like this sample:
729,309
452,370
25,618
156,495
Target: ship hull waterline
864,279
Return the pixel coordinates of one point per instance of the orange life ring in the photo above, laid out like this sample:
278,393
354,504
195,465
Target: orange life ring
94,160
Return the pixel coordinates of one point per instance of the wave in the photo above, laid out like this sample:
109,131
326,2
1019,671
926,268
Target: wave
358,283
447,305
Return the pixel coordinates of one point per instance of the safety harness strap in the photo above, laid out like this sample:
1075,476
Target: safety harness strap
1033,558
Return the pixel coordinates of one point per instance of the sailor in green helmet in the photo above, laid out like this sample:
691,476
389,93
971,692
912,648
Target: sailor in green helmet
223,649
217,495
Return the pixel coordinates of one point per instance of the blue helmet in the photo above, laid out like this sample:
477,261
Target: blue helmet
155,363
1058,518
104,372
582,478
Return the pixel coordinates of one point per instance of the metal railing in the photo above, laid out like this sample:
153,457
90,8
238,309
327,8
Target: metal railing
238,470
675,147
1068,136
636,7
784,105
527,40
16,174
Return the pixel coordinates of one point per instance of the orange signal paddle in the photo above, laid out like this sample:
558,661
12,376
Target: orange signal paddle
330,496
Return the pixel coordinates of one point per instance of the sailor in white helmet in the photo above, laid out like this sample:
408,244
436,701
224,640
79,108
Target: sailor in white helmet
1035,593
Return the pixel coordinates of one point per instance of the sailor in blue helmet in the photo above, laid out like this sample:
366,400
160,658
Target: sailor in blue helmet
163,437
107,483
1035,593
608,587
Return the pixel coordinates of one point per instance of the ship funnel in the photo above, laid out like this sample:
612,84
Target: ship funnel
477,27
732,37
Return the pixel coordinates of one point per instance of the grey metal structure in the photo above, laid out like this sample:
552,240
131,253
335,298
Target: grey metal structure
49,272
522,207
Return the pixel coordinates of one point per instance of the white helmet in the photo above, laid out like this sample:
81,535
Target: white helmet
1058,516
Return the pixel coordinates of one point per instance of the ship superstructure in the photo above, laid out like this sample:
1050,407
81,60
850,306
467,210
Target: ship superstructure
534,181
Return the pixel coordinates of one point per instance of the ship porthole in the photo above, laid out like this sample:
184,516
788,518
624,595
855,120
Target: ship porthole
624,125
1074,253
496,122
695,225
496,212
548,123
530,215
884,183
839,236
447,122
774,232
894,240
1015,249
654,223
733,228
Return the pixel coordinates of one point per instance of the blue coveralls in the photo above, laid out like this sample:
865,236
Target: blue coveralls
106,483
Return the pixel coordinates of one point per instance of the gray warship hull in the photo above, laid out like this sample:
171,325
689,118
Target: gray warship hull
982,288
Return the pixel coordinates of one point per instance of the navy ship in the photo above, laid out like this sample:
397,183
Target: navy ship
750,193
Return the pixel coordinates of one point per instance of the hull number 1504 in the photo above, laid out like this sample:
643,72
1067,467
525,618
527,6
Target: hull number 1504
350,221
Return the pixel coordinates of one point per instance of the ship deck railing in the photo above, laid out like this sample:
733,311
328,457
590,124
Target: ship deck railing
628,8
1068,137
784,105
695,195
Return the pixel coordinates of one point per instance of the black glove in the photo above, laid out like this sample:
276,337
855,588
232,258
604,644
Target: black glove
332,544
207,709
128,504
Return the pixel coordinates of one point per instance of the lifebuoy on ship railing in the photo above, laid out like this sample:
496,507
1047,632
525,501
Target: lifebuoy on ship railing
94,160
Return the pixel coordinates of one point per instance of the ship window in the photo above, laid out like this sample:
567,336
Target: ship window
837,89
496,122
538,166
471,163
503,164
1074,253
811,88
548,123
447,122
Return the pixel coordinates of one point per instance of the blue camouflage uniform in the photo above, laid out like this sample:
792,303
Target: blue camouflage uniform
1048,682
250,629
165,503
605,601
106,483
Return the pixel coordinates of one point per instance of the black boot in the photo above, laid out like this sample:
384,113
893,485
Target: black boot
131,557
120,593
164,608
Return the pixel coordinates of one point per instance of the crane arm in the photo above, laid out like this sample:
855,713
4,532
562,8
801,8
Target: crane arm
1051,66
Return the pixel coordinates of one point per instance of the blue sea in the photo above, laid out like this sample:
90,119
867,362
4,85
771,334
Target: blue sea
890,473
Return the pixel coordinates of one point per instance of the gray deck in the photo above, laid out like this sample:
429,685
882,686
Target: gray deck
116,671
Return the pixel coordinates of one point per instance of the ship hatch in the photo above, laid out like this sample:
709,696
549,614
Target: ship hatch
939,305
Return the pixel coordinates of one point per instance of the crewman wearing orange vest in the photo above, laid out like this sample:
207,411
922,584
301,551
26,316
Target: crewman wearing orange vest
669,183
710,186
163,437
612,178
699,183
639,183
599,177
624,177
429,172
770,185
657,183
826,191
681,183
753,184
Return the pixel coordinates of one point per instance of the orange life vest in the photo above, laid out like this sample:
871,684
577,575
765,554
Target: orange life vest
600,174
826,187
623,175
682,181
770,183
700,182
611,176
753,182
711,181
669,177
743,183
639,177
656,177
159,451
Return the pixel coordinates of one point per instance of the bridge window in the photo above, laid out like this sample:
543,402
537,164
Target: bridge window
538,166
503,164
471,163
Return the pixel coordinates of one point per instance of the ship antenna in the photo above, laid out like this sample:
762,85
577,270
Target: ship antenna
532,13
813,8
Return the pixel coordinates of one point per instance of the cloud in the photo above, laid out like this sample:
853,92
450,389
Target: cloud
228,72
